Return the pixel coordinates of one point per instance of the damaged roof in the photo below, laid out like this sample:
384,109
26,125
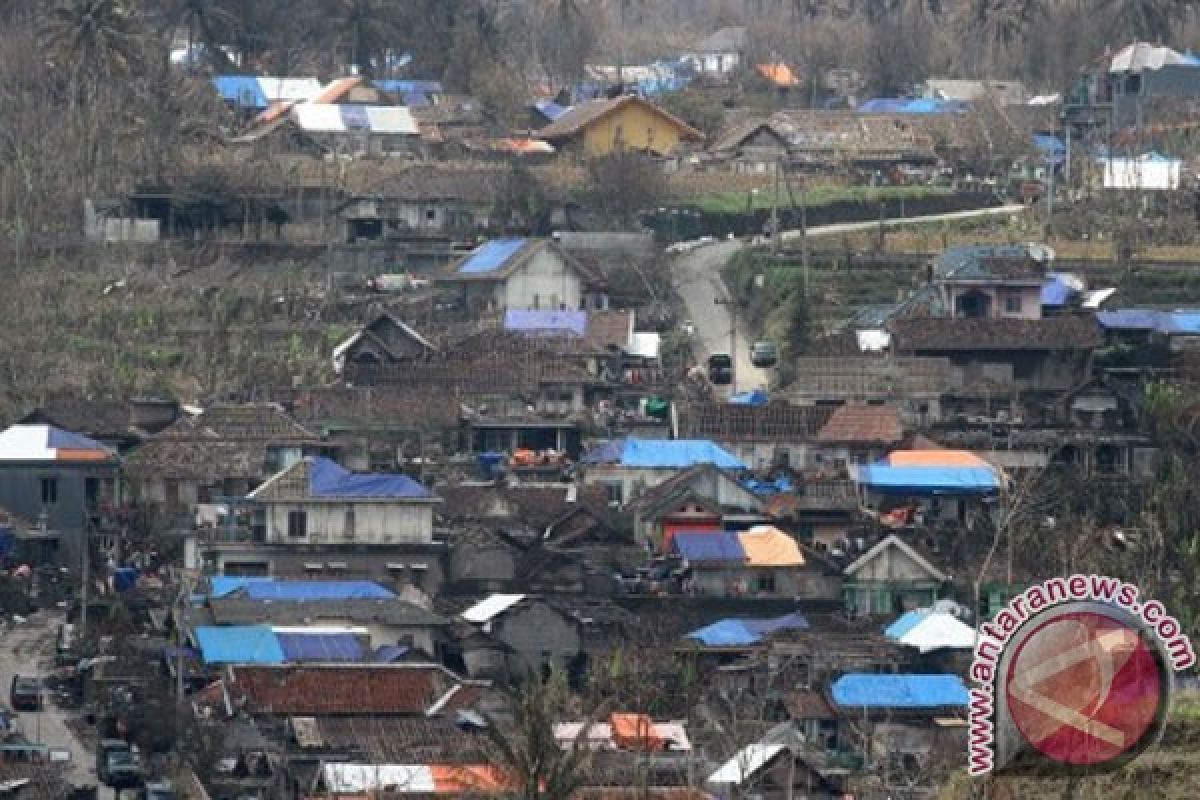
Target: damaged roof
351,689
391,612
931,334
869,424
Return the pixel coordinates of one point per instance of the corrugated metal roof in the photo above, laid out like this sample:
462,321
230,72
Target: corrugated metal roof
745,763
328,479
860,690
277,89
491,256
491,607
239,644
331,118
532,321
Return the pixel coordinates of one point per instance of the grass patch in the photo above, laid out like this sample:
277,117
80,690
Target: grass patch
738,201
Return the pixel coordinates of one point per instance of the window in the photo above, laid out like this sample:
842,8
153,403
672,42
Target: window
49,491
1012,303
615,493
765,581
430,214
297,523
536,301
348,525
171,493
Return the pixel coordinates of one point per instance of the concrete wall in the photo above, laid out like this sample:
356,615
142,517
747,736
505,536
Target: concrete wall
544,281
373,523
366,563
891,564
539,634
490,567
1030,298
21,493
633,127
743,582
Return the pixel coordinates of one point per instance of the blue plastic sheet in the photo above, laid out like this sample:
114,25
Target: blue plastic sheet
899,691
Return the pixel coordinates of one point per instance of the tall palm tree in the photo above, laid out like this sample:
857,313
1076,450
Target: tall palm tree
96,38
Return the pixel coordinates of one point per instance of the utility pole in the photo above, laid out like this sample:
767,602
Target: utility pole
83,588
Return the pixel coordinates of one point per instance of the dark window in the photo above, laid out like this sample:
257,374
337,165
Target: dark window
297,523
431,214
171,492
349,524
766,581
1012,303
91,492
49,491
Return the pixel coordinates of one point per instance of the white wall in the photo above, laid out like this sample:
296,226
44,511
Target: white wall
546,279
374,523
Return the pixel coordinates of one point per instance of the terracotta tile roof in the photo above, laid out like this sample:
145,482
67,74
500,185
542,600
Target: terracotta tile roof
934,334
585,114
725,422
609,329
400,406
359,689
862,425
398,740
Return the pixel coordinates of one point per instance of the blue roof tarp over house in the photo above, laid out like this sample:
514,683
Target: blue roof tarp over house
1052,148
1130,319
899,691
1057,290
912,105
321,647
490,256
744,632
550,109
535,321
270,589
663,454
754,397
243,90
328,479
239,644
928,480
709,546
905,623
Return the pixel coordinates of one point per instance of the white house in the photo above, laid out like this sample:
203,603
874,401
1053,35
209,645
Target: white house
516,273
626,468
720,53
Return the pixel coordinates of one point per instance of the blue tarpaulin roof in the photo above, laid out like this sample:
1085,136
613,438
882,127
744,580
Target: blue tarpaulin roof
710,546
8,540
328,479
899,691
912,105
1057,290
490,256
1137,319
390,653
550,110
244,90
905,623
928,480
321,647
755,397
663,454
533,321
743,632
270,589
239,644
406,86
1052,148
1180,322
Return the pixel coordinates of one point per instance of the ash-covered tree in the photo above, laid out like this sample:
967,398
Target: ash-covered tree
620,186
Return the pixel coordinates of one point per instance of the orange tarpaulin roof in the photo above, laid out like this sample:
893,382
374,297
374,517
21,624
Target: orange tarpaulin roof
766,546
469,778
935,458
634,732
779,74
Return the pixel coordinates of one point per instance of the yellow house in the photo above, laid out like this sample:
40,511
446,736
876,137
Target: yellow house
600,127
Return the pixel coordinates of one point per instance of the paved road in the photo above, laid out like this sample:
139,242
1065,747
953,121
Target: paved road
27,648
697,280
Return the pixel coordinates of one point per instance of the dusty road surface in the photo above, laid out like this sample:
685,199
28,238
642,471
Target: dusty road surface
697,280
27,648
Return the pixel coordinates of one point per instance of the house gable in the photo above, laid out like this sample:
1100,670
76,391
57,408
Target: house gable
893,560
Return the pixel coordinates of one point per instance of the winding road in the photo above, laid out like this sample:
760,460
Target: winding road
696,276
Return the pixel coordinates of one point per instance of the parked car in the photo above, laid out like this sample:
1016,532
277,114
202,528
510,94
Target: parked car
25,693
764,354
720,369
117,764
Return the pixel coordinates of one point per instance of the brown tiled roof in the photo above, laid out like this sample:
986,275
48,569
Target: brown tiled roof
476,184
939,334
808,704
581,116
726,422
862,425
235,610
105,418
397,405
400,740
359,689
608,329
265,421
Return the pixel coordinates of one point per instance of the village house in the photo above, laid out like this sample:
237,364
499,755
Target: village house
219,452
845,374
889,578
935,489
627,122
316,518
858,434
700,498
777,767
59,487
762,561
998,282
531,633
515,273
426,201
719,54
383,340
774,434
120,425
628,467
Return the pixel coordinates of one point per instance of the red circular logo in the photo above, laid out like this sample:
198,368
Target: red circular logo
1084,688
